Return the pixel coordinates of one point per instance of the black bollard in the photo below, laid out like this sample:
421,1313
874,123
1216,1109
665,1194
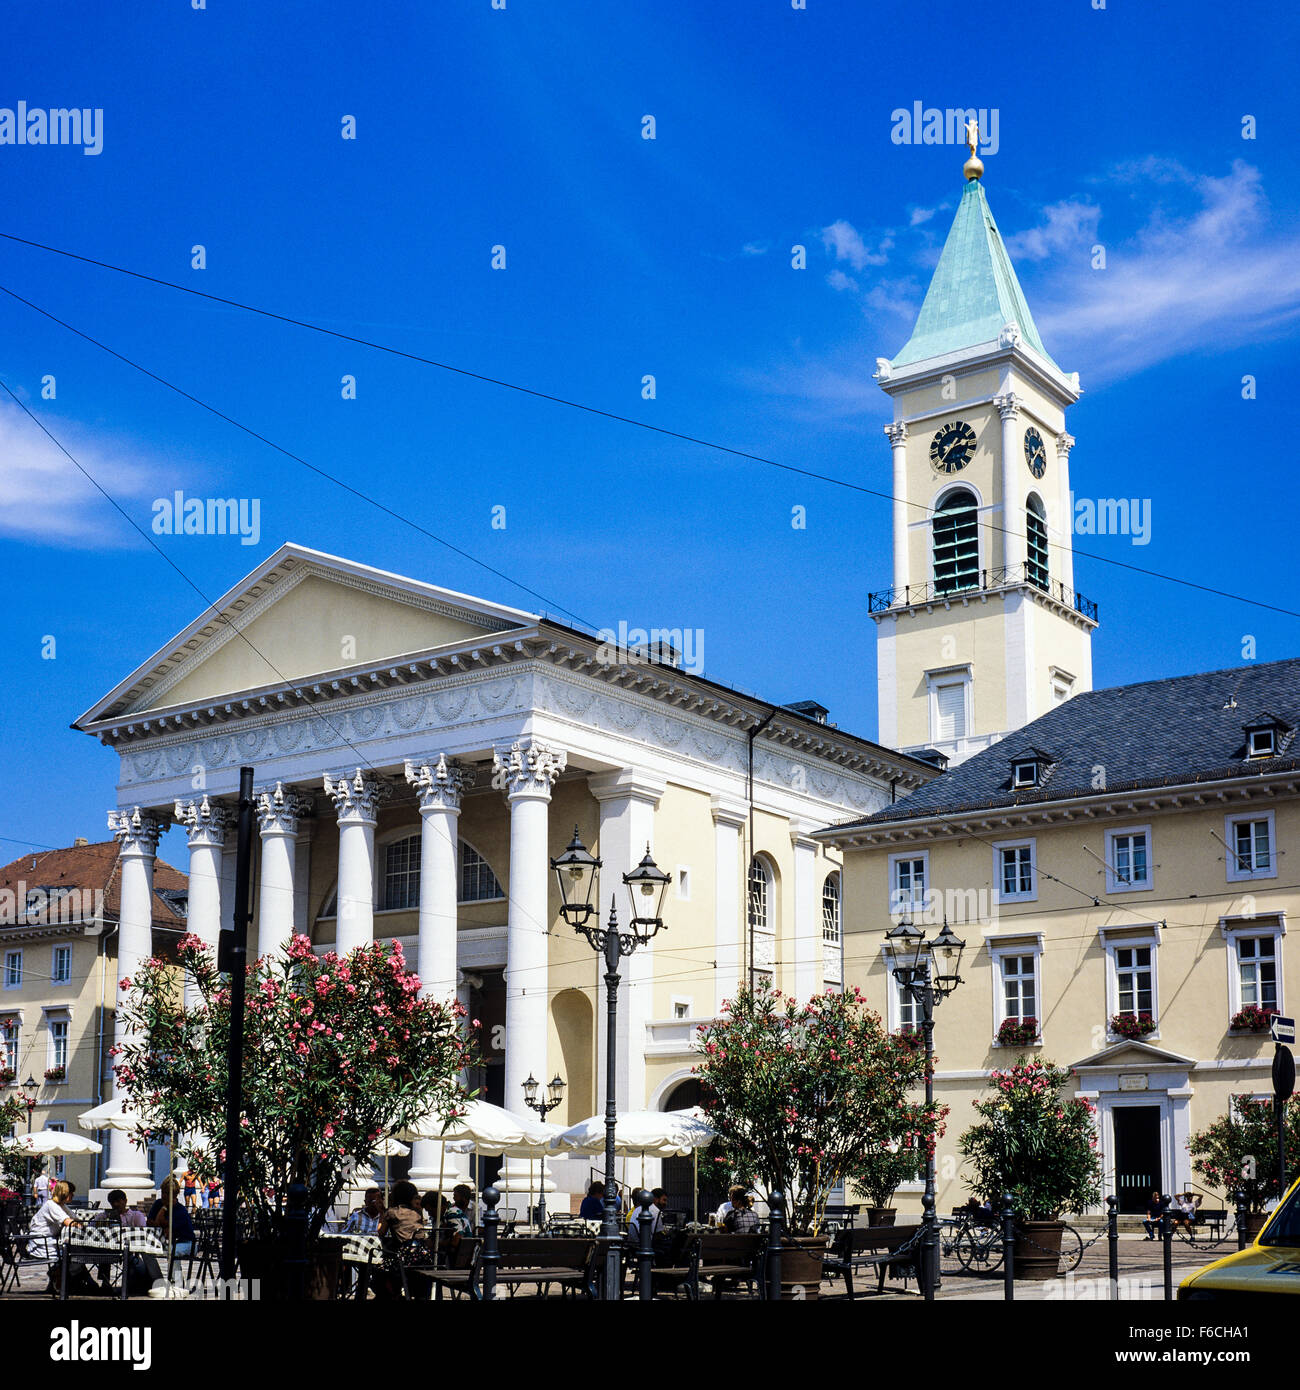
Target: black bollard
775,1235
1239,1197
1167,1241
1112,1241
1008,1247
491,1250
295,1243
645,1247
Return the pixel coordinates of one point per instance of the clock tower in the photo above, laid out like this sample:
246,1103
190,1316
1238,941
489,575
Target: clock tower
982,629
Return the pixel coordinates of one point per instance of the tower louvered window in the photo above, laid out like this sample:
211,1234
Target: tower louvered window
956,544
1036,543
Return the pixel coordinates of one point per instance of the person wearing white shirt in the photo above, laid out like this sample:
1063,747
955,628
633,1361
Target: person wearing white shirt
655,1215
739,1190
42,1187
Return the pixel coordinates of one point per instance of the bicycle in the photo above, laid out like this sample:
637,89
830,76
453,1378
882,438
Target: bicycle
977,1245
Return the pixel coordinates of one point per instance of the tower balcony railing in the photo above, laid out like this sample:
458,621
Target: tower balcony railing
981,581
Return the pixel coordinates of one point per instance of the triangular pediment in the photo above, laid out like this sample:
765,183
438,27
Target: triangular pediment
1131,1053
302,614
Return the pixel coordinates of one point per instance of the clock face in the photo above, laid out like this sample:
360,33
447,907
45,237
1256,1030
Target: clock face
952,447
1035,453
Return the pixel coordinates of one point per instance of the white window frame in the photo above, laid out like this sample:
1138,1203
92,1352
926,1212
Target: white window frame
1018,780
66,952
682,1001
1124,938
1233,929
897,905
10,955
896,996
9,1042
60,1165
838,938
1030,944
53,1019
463,844
1269,750
998,895
1236,874
952,675
1114,884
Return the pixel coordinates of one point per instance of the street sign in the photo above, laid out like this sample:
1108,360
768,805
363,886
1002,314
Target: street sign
1283,1029
1283,1073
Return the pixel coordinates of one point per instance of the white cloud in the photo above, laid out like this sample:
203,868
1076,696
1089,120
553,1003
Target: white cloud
920,215
43,496
846,243
755,248
1209,270
1067,226
837,280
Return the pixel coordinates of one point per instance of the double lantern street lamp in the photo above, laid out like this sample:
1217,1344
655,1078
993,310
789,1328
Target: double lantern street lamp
915,970
578,874
29,1099
543,1107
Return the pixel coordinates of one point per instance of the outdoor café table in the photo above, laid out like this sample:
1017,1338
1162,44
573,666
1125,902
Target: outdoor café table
102,1245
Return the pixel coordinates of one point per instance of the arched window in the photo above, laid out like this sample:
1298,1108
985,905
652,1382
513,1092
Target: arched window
400,885
760,922
831,910
478,884
956,543
1036,542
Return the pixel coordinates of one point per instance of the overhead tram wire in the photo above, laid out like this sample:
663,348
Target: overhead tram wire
547,396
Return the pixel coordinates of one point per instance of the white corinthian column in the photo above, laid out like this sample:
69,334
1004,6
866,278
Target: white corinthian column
278,813
137,834
439,782
205,825
356,800
526,771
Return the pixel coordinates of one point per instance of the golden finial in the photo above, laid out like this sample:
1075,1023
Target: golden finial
974,166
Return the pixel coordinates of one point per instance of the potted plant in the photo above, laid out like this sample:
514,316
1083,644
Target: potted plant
7,1076
1252,1019
1238,1153
56,1074
878,1175
1018,1032
338,1052
800,1095
1131,1025
1039,1145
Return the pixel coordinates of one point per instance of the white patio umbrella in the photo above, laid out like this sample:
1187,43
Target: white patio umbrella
535,1145
113,1114
653,1133
55,1142
387,1148
488,1128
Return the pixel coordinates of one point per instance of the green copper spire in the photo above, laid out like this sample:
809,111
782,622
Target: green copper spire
974,292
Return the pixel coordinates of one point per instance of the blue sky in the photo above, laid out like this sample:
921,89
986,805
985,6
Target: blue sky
626,257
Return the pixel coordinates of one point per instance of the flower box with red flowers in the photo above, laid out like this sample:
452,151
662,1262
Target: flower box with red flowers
56,1073
911,1035
7,1076
1252,1019
1018,1032
1132,1025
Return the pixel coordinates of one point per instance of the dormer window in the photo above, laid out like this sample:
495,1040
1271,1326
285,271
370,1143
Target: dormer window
1029,769
1261,743
1264,736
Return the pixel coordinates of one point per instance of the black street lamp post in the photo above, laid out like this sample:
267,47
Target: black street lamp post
29,1087
543,1106
578,874
928,988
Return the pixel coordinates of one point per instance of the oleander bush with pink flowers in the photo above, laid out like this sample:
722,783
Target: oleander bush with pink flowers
804,1096
1238,1151
1035,1142
338,1052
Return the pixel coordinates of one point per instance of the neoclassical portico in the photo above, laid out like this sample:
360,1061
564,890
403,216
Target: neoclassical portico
420,793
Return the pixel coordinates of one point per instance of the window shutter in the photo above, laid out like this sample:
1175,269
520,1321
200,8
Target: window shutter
951,701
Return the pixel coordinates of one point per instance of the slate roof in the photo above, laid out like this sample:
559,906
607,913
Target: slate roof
94,866
1155,733
974,292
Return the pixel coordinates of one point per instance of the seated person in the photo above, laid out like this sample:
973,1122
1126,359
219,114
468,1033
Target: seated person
737,1190
741,1220
47,1225
404,1219
168,1214
593,1204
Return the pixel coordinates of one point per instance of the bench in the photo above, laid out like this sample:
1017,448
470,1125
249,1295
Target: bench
872,1247
568,1261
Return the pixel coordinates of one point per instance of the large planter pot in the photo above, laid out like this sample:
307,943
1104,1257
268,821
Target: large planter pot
801,1268
881,1216
264,1262
1253,1223
1038,1249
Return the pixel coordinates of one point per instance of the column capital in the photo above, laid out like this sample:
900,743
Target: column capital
896,433
1008,405
528,767
729,811
136,831
279,809
1064,443
205,822
439,781
631,782
356,798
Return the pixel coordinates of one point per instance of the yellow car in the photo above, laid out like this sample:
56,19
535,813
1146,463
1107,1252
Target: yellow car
1270,1264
